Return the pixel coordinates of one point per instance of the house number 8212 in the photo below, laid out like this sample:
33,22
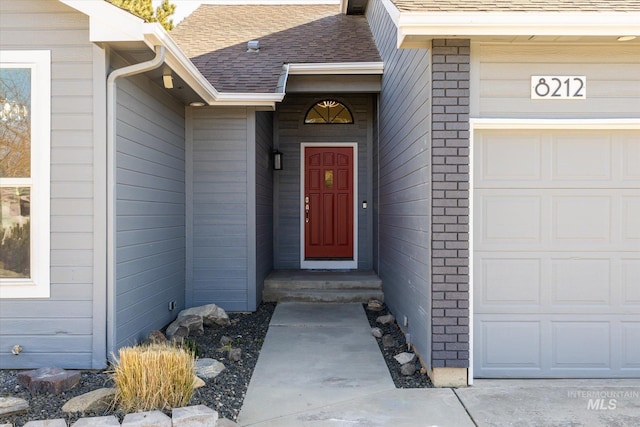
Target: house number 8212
558,87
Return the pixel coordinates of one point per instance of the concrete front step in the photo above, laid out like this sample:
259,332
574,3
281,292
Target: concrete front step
322,286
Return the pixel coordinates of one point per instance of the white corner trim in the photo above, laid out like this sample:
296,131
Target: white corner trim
392,10
343,6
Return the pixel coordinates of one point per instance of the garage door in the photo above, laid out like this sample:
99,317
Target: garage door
556,260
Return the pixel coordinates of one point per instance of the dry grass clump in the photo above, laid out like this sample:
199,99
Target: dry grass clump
156,376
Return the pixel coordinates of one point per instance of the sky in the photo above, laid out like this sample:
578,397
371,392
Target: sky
185,7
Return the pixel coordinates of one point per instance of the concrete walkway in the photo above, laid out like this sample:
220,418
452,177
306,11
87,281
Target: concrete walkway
320,366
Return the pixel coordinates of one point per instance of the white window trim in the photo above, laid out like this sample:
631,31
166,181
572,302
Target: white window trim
38,285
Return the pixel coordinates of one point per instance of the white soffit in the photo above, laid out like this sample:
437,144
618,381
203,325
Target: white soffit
337,68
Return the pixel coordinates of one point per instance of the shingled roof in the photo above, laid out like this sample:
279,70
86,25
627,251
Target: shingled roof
517,5
215,38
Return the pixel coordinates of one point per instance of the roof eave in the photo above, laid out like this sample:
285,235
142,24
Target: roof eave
109,24
430,25
329,68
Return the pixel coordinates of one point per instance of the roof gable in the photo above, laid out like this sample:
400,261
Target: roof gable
215,38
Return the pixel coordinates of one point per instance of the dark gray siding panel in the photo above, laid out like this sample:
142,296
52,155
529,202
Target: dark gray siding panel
219,213
403,182
57,331
150,209
264,200
291,131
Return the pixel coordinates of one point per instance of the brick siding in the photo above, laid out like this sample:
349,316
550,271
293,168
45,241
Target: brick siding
450,204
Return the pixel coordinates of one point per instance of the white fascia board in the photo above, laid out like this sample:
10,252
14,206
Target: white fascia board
108,23
268,100
448,24
178,61
337,68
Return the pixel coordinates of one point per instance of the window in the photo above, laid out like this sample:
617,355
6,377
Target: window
25,92
328,112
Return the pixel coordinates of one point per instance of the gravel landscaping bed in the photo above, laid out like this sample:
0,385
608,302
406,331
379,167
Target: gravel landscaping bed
225,393
418,379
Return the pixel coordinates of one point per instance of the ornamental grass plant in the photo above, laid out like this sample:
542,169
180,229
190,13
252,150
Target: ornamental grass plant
156,376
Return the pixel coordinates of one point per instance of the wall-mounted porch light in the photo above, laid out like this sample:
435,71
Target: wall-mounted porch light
277,160
167,80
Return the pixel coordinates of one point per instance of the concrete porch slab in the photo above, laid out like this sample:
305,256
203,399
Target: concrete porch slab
397,408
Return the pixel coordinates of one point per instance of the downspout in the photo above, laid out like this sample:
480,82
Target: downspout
128,71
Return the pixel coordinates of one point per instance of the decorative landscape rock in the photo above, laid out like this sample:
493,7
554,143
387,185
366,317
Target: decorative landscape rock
156,337
193,324
208,368
225,340
94,401
198,382
59,422
235,354
385,320
404,358
194,416
408,369
211,314
48,380
12,405
376,332
388,341
375,305
146,419
110,421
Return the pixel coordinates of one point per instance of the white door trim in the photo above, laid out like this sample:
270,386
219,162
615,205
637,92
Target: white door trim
516,123
330,265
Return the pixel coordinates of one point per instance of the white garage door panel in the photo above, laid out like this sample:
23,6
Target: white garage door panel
552,346
552,219
556,253
557,159
556,282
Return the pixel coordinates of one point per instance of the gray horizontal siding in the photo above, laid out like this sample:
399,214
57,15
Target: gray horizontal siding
291,132
58,331
150,209
403,190
219,237
502,75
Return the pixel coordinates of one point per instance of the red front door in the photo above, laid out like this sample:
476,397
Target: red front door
328,203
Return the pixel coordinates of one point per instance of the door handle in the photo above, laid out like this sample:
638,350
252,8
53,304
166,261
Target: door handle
306,209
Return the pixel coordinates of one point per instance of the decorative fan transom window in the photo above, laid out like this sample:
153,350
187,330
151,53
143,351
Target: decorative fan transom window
328,112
